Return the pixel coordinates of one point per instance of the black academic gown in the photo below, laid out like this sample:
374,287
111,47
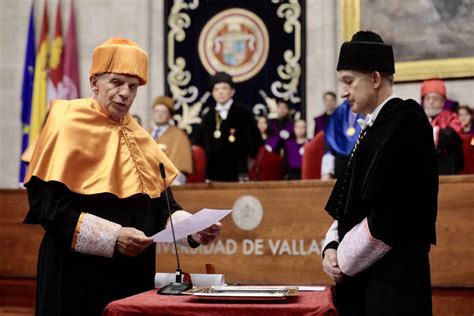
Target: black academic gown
393,182
227,159
72,283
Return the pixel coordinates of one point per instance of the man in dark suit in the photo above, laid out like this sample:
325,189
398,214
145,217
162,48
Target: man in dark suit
385,204
228,133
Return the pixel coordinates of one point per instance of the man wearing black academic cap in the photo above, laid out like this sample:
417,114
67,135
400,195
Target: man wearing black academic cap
228,133
385,204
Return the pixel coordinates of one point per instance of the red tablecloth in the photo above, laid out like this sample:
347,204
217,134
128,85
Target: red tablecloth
149,303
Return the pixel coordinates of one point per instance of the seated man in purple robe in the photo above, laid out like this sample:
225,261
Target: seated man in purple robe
280,129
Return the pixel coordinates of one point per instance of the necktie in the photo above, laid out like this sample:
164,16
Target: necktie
156,133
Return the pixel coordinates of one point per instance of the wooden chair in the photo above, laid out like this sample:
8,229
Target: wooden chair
312,157
199,166
268,166
468,150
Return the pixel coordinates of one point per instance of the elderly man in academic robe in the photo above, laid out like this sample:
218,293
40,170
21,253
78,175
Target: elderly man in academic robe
171,139
385,204
94,185
447,128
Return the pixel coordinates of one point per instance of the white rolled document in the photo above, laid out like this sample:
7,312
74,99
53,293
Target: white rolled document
162,279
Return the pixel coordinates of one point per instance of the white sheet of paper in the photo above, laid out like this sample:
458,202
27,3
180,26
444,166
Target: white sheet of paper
311,288
197,222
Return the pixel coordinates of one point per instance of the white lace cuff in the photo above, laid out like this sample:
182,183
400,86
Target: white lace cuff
358,250
95,236
331,235
177,217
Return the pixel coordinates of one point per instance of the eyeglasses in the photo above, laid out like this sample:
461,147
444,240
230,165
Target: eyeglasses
434,97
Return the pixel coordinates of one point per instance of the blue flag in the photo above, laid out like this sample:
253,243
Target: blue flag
27,89
342,130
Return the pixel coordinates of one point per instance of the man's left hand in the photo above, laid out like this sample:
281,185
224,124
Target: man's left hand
208,235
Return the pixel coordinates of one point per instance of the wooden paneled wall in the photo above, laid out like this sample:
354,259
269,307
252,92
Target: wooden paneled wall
282,249
293,213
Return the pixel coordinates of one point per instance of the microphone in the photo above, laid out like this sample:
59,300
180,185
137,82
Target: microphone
177,287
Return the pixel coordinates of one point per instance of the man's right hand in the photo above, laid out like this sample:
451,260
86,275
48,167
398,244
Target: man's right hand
331,267
131,241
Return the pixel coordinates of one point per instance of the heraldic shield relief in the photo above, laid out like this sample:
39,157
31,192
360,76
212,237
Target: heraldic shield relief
259,43
235,41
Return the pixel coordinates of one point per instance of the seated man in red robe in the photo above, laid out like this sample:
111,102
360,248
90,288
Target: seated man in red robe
447,128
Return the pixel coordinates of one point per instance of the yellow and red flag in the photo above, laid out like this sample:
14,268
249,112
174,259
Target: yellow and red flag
38,107
71,71
55,85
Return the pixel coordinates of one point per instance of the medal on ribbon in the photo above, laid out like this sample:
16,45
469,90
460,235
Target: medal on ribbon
232,136
217,131
350,131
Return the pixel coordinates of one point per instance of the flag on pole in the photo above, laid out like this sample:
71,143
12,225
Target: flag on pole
27,89
55,85
38,107
71,72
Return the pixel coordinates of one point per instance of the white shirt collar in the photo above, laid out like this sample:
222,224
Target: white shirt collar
369,120
159,130
223,109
